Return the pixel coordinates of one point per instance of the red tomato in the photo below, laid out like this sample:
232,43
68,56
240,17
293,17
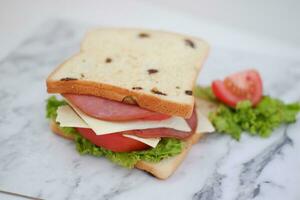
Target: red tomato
245,85
115,142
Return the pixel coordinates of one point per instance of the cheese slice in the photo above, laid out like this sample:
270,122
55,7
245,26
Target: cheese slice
204,125
101,127
150,141
68,118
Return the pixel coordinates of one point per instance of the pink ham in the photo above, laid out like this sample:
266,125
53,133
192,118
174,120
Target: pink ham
111,110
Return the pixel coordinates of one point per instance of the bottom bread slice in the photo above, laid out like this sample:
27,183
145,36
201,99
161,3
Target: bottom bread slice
162,169
168,166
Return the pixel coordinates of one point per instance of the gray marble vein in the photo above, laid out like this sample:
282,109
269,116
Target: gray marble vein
252,169
211,190
37,163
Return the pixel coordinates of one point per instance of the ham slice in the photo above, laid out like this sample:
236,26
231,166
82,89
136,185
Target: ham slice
105,109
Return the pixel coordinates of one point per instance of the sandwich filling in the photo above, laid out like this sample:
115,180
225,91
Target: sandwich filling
101,127
174,127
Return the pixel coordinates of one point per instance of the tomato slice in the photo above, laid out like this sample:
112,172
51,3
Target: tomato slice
115,142
245,85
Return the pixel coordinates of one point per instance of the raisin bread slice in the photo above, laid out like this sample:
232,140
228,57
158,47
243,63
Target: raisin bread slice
154,69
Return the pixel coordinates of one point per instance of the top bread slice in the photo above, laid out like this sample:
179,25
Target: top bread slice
155,70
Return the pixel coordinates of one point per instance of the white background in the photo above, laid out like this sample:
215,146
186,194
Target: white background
269,26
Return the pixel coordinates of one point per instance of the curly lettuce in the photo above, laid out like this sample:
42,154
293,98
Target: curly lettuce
261,120
52,105
167,147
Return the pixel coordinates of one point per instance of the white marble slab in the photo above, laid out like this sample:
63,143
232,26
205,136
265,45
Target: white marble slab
35,162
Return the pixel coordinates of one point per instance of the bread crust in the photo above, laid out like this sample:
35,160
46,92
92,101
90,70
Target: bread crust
111,92
161,170
55,129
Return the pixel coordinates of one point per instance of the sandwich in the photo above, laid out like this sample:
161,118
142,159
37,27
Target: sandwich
127,95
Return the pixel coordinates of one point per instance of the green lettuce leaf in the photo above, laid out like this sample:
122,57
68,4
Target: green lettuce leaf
166,148
52,105
51,113
69,131
261,120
